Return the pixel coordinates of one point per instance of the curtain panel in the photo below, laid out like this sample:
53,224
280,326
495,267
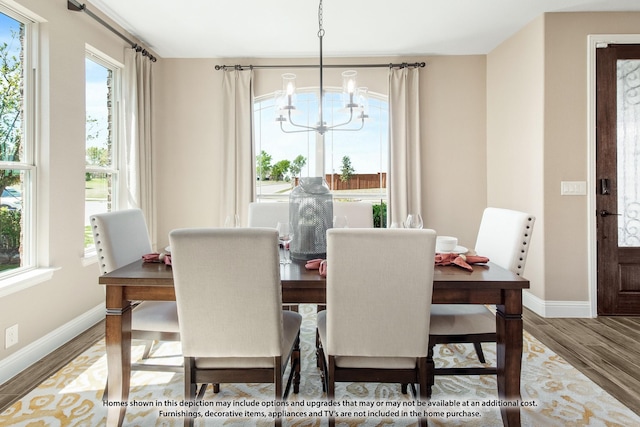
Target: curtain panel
405,175
238,158
136,155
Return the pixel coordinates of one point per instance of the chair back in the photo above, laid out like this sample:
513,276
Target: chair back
504,237
379,286
228,291
358,214
268,214
121,237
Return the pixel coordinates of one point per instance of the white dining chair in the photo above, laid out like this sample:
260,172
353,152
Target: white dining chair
120,238
504,237
229,296
267,214
376,325
358,214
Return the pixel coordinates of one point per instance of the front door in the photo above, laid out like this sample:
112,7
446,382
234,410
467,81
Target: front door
618,179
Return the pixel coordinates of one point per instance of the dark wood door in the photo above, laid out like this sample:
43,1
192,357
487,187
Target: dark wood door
618,179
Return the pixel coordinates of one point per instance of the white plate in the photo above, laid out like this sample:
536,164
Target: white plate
457,250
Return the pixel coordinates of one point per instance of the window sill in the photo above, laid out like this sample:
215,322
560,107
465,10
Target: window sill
22,281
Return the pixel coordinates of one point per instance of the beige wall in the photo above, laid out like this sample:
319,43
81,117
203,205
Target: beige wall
515,126
189,113
537,104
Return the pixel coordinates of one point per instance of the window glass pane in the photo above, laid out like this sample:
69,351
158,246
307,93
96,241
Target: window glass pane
628,149
11,91
15,173
99,178
11,221
282,157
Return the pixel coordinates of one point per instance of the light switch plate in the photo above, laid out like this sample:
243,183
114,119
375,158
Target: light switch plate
573,188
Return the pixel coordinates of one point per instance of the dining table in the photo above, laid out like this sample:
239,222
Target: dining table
486,284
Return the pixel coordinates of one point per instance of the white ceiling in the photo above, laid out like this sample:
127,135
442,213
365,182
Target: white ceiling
288,28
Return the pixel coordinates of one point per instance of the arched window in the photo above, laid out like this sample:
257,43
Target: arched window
355,164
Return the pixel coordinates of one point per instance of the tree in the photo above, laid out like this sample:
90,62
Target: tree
97,156
280,169
263,165
10,111
346,172
296,166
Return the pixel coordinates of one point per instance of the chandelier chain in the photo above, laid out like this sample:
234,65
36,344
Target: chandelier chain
320,29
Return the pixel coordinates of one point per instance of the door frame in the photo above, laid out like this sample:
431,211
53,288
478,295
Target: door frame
595,40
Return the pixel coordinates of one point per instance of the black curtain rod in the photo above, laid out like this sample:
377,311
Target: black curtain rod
77,7
257,67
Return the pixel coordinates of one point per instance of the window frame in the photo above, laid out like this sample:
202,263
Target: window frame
114,170
26,272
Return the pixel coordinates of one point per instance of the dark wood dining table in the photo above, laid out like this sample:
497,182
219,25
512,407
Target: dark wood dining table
486,284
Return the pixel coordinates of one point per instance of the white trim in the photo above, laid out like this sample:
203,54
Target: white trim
593,41
20,360
21,281
549,309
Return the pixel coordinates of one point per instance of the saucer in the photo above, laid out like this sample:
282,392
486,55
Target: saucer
457,250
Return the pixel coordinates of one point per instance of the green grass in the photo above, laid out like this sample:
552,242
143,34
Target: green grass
96,189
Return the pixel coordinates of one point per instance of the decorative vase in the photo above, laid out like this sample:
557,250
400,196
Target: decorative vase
311,215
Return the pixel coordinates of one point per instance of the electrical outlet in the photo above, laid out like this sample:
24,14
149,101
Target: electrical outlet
11,336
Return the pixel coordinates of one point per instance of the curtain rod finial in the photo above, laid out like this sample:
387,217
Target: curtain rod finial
75,6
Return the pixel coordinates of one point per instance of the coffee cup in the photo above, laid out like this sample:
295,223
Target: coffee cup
446,243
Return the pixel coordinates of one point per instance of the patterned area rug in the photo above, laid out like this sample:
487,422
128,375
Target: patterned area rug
555,392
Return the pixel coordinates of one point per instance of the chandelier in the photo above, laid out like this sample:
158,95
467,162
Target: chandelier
354,98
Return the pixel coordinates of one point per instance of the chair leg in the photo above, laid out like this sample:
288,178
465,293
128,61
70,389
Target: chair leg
423,383
295,364
331,385
189,386
148,345
430,371
478,347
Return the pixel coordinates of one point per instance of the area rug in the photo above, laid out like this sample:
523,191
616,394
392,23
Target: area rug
553,394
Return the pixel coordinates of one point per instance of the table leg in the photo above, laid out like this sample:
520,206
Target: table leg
509,353
118,343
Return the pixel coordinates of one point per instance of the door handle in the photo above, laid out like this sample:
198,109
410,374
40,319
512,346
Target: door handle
605,212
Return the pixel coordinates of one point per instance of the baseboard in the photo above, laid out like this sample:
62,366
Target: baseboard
27,356
550,309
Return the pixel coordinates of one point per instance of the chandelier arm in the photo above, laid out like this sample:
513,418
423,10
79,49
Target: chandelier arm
333,128
304,128
344,123
292,123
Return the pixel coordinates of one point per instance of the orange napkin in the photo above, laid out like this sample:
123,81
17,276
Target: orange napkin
460,260
317,264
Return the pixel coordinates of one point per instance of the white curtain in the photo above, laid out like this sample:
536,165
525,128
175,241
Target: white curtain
238,158
136,156
405,177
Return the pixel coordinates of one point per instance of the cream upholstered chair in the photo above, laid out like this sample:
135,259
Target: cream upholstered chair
358,214
376,325
268,214
228,291
121,237
504,237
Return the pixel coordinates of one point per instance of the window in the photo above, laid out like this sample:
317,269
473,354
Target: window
17,168
101,172
355,164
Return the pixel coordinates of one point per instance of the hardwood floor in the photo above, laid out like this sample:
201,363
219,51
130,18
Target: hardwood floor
606,350
31,377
